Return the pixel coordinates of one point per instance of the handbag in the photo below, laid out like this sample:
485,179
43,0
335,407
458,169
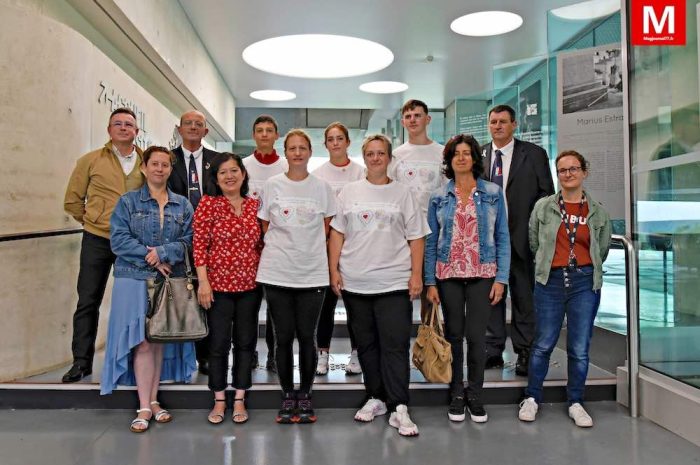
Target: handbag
174,314
432,354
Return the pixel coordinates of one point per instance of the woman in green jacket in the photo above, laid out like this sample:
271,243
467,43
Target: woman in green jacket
570,238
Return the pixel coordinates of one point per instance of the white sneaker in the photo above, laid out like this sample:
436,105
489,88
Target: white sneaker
401,421
353,367
528,409
371,409
322,366
580,416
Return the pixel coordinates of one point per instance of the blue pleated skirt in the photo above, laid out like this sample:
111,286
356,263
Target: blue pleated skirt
127,329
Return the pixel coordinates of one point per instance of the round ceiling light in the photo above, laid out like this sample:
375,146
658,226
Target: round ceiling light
318,56
383,87
273,95
587,10
486,23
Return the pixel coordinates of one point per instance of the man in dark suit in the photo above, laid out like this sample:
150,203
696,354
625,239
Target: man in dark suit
522,169
192,178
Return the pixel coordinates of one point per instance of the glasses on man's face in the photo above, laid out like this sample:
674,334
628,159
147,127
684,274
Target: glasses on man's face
125,124
573,171
197,124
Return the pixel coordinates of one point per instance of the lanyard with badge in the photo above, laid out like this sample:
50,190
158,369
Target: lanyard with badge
571,233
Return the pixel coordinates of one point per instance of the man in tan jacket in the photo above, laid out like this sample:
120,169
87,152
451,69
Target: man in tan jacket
98,180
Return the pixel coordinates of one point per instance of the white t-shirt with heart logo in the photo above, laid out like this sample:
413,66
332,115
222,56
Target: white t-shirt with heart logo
420,168
295,243
377,222
258,174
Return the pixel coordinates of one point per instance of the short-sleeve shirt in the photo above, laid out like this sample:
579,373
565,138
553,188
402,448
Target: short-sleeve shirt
259,173
339,176
420,168
227,244
377,221
295,243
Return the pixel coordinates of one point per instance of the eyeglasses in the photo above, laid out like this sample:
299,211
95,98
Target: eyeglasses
573,171
126,124
197,124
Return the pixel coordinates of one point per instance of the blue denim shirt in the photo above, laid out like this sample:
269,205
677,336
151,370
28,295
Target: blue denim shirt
492,225
135,224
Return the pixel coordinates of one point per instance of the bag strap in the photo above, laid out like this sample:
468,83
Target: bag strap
188,265
435,320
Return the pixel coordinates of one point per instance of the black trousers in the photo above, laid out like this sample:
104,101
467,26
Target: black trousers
295,311
466,308
233,316
327,321
96,260
522,283
382,326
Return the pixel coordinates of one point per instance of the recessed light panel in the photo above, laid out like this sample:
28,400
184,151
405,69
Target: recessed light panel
383,87
587,10
273,95
318,56
486,23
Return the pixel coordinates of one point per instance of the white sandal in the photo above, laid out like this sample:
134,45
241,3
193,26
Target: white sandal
141,421
162,413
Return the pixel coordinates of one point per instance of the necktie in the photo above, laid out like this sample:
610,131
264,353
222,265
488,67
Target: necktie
193,183
497,169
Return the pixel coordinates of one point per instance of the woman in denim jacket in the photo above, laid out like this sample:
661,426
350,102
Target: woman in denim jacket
150,231
467,261
570,238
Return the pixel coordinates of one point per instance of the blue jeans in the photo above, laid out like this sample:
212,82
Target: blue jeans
580,304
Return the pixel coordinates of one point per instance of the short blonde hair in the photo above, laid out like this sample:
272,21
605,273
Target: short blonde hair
297,132
379,137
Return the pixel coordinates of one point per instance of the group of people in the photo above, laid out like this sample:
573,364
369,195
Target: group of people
459,225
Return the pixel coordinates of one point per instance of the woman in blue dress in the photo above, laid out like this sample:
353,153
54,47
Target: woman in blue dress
151,229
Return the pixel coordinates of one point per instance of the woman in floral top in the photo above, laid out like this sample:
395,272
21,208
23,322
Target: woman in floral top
227,245
467,262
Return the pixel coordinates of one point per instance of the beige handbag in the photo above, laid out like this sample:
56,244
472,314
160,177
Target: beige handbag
174,313
432,354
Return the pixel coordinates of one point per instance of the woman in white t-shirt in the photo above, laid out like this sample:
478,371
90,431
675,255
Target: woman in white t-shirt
375,257
338,171
295,214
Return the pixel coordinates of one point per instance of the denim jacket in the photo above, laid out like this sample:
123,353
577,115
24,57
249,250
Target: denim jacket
545,221
492,225
135,224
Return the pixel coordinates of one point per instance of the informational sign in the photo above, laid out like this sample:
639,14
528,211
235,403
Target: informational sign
590,119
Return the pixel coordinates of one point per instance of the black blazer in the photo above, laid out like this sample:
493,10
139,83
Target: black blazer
529,179
177,182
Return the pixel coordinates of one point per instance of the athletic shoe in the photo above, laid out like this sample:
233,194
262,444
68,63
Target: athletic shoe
305,411
580,416
288,413
477,412
322,366
353,367
372,408
456,410
528,409
402,421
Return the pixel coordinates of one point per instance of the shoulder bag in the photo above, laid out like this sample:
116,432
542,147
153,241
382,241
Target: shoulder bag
432,354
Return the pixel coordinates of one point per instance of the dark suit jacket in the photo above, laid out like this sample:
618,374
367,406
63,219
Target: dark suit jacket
529,179
177,182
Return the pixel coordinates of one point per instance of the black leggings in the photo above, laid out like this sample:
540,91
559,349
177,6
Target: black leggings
382,325
233,316
326,323
466,308
295,311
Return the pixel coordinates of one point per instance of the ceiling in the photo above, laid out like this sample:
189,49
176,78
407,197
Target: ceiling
412,29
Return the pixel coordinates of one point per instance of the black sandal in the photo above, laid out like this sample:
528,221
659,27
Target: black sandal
217,418
240,417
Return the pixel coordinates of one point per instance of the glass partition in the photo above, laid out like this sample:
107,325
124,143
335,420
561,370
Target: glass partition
665,151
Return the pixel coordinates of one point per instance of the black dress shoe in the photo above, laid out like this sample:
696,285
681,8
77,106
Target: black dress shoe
254,363
271,365
203,367
494,361
522,364
76,373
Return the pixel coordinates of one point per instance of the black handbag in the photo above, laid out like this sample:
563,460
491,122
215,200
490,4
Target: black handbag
174,313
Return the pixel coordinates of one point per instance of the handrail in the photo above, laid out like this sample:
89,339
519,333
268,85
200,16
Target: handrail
632,322
34,234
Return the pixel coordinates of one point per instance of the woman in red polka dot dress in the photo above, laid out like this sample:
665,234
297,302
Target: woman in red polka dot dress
227,245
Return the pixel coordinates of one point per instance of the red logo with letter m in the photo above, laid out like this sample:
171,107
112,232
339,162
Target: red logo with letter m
657,22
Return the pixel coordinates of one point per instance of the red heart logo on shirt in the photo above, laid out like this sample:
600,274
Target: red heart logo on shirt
366,217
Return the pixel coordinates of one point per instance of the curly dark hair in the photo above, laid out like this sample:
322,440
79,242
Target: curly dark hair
449,153
222,158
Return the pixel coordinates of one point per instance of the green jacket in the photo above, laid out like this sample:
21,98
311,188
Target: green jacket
545,221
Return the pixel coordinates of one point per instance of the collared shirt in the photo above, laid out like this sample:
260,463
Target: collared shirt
507,159
197,162
128,162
